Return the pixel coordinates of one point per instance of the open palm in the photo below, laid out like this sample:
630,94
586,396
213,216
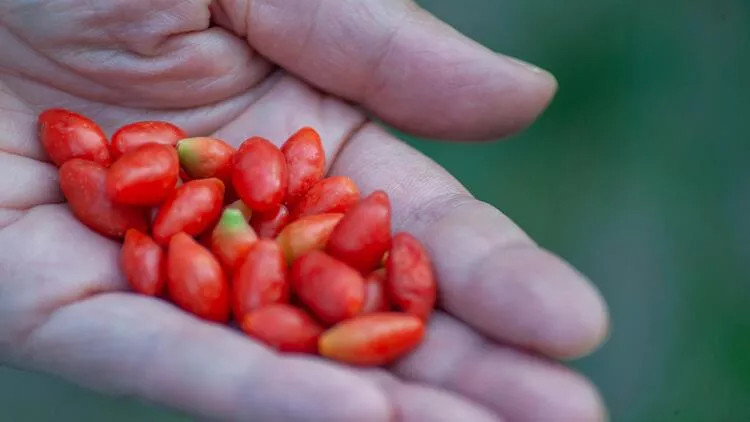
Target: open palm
238,68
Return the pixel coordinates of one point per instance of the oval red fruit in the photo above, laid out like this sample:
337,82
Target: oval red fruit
144,263
330,288
133,135
192,208
84,185
195,280
333,194
268,225
372,339
260,279
144,176
206,157
411,283
66,135
305,160
364,234
306,234
259,174
283,327
231,238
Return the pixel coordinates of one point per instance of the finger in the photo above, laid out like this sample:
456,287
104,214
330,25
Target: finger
401,63
42,272
18,126
417,403
125,344
516,385
19,173
20,165
490,274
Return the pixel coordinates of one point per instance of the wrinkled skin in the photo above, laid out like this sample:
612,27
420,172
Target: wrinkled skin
237,68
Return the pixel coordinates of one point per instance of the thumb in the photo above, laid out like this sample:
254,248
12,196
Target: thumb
398,61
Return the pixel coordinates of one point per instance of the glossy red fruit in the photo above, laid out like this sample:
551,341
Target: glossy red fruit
133,135
332,290
260,279
66,135
196,282
83,183
375,297
206,157
331,195
411,283
268,225
283,327
259,174
231,239
306,234
144,263
305,160
192,208
144,176
364,234
372,339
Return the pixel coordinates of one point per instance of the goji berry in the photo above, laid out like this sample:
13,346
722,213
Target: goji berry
195,280
231,238
283,327
306,161
84,183
259,174
372,339
410,283
260,279
133,135
306,234
333,194
66,135
144,263
331,289
144,176
364,233
191,208
206,157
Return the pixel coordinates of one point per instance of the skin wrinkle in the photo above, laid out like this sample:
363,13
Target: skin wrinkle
378,75
226,77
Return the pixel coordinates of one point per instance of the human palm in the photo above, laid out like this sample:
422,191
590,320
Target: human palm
241,68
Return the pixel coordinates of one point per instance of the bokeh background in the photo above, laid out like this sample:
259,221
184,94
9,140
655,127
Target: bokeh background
639,174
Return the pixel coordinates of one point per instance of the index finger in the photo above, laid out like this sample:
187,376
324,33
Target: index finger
401,63
491,275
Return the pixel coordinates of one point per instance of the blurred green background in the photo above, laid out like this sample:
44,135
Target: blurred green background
639,174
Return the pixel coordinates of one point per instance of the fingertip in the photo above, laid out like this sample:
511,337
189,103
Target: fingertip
587,325
540,87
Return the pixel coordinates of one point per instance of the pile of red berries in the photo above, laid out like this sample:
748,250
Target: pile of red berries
301,261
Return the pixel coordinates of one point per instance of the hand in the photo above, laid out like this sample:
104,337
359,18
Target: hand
268,67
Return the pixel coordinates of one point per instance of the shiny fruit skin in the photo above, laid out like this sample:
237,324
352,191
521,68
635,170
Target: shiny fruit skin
83,183
372,339
145,176
66,135
195,280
